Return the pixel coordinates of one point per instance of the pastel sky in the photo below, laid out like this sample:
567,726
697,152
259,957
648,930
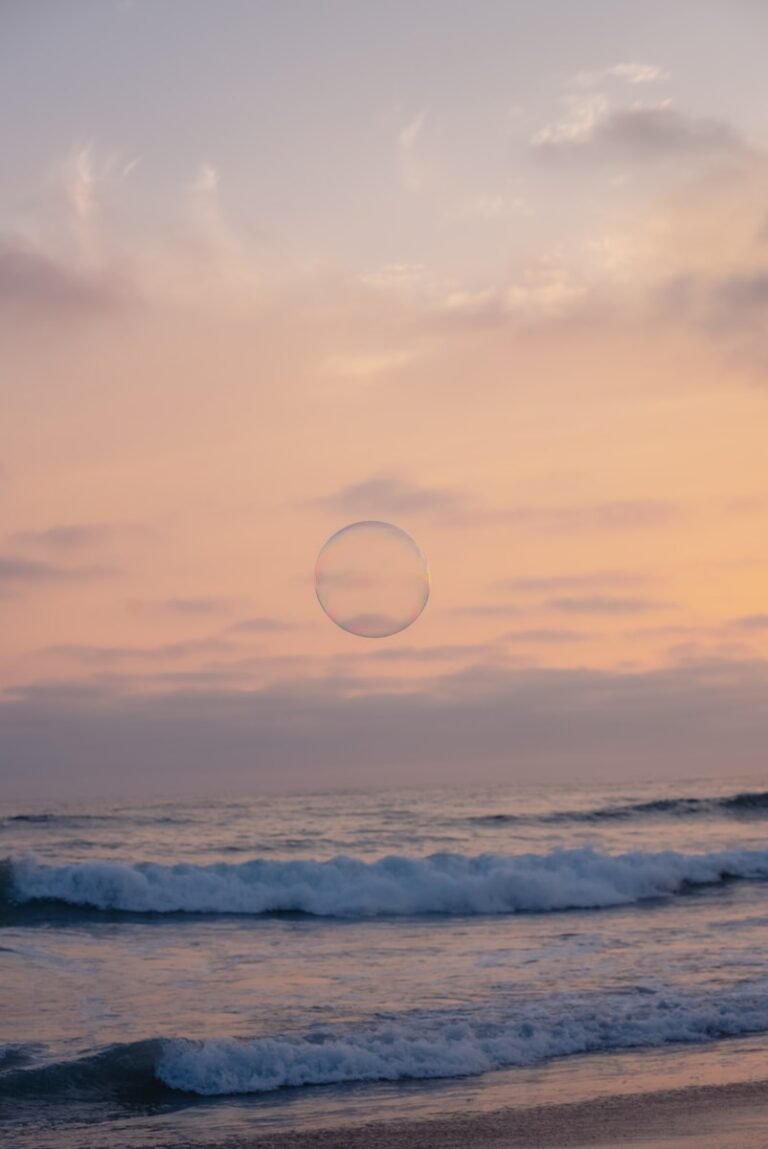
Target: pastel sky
494,271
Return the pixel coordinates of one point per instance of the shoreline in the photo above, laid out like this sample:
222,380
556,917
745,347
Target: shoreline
675,1104
731,1116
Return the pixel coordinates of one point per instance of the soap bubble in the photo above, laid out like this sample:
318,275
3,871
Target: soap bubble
371,579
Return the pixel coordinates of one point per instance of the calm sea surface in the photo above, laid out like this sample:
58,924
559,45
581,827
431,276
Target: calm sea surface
175,972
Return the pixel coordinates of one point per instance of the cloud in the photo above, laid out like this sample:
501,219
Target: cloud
106,655
412,131
205,182
588,579
543,289
195,605
409,138
631,73
490,609
260,625
745,295
747,504
545,635
636,73
187,606
34,284
391,495
605,604
352,365
756,622
84,178
492,207
71,537
396,277
613,515
695,652
509,723
595,131
442,652
80,182
18,572
729,309
576,127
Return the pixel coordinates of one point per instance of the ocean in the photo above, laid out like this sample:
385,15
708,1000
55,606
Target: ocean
183,973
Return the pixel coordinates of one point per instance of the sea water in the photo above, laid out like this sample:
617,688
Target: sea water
179,972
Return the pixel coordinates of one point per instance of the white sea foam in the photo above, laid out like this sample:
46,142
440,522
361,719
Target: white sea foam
459,1045
346,887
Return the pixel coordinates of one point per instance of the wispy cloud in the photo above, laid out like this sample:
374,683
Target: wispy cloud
35,285
747,504
444,652
71,537
593,130
756,622
577,126
366,365
585,580
185,606
630,73
546,635
487,609
492,207
613,515
19,572
85,174
728,309
411,132
636,73
260,625
408,140
91,654
605,604
393,495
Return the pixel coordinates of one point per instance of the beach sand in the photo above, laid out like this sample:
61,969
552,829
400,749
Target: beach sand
733,1116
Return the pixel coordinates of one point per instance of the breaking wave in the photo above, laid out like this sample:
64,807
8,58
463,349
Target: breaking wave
401,1047
344,887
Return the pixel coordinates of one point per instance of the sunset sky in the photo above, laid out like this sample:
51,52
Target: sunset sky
494,271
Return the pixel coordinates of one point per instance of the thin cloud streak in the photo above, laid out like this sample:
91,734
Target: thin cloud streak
566,582
605,604
392,495
546,635
72,537
19,572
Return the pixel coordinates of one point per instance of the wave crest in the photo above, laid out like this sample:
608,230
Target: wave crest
454,884
416,1046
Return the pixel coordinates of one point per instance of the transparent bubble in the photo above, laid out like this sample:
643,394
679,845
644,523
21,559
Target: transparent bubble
371,579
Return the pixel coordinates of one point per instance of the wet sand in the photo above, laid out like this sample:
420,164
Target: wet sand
733,1116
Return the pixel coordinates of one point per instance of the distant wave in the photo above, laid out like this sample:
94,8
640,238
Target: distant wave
66,821
749,804
401,1047
454,884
